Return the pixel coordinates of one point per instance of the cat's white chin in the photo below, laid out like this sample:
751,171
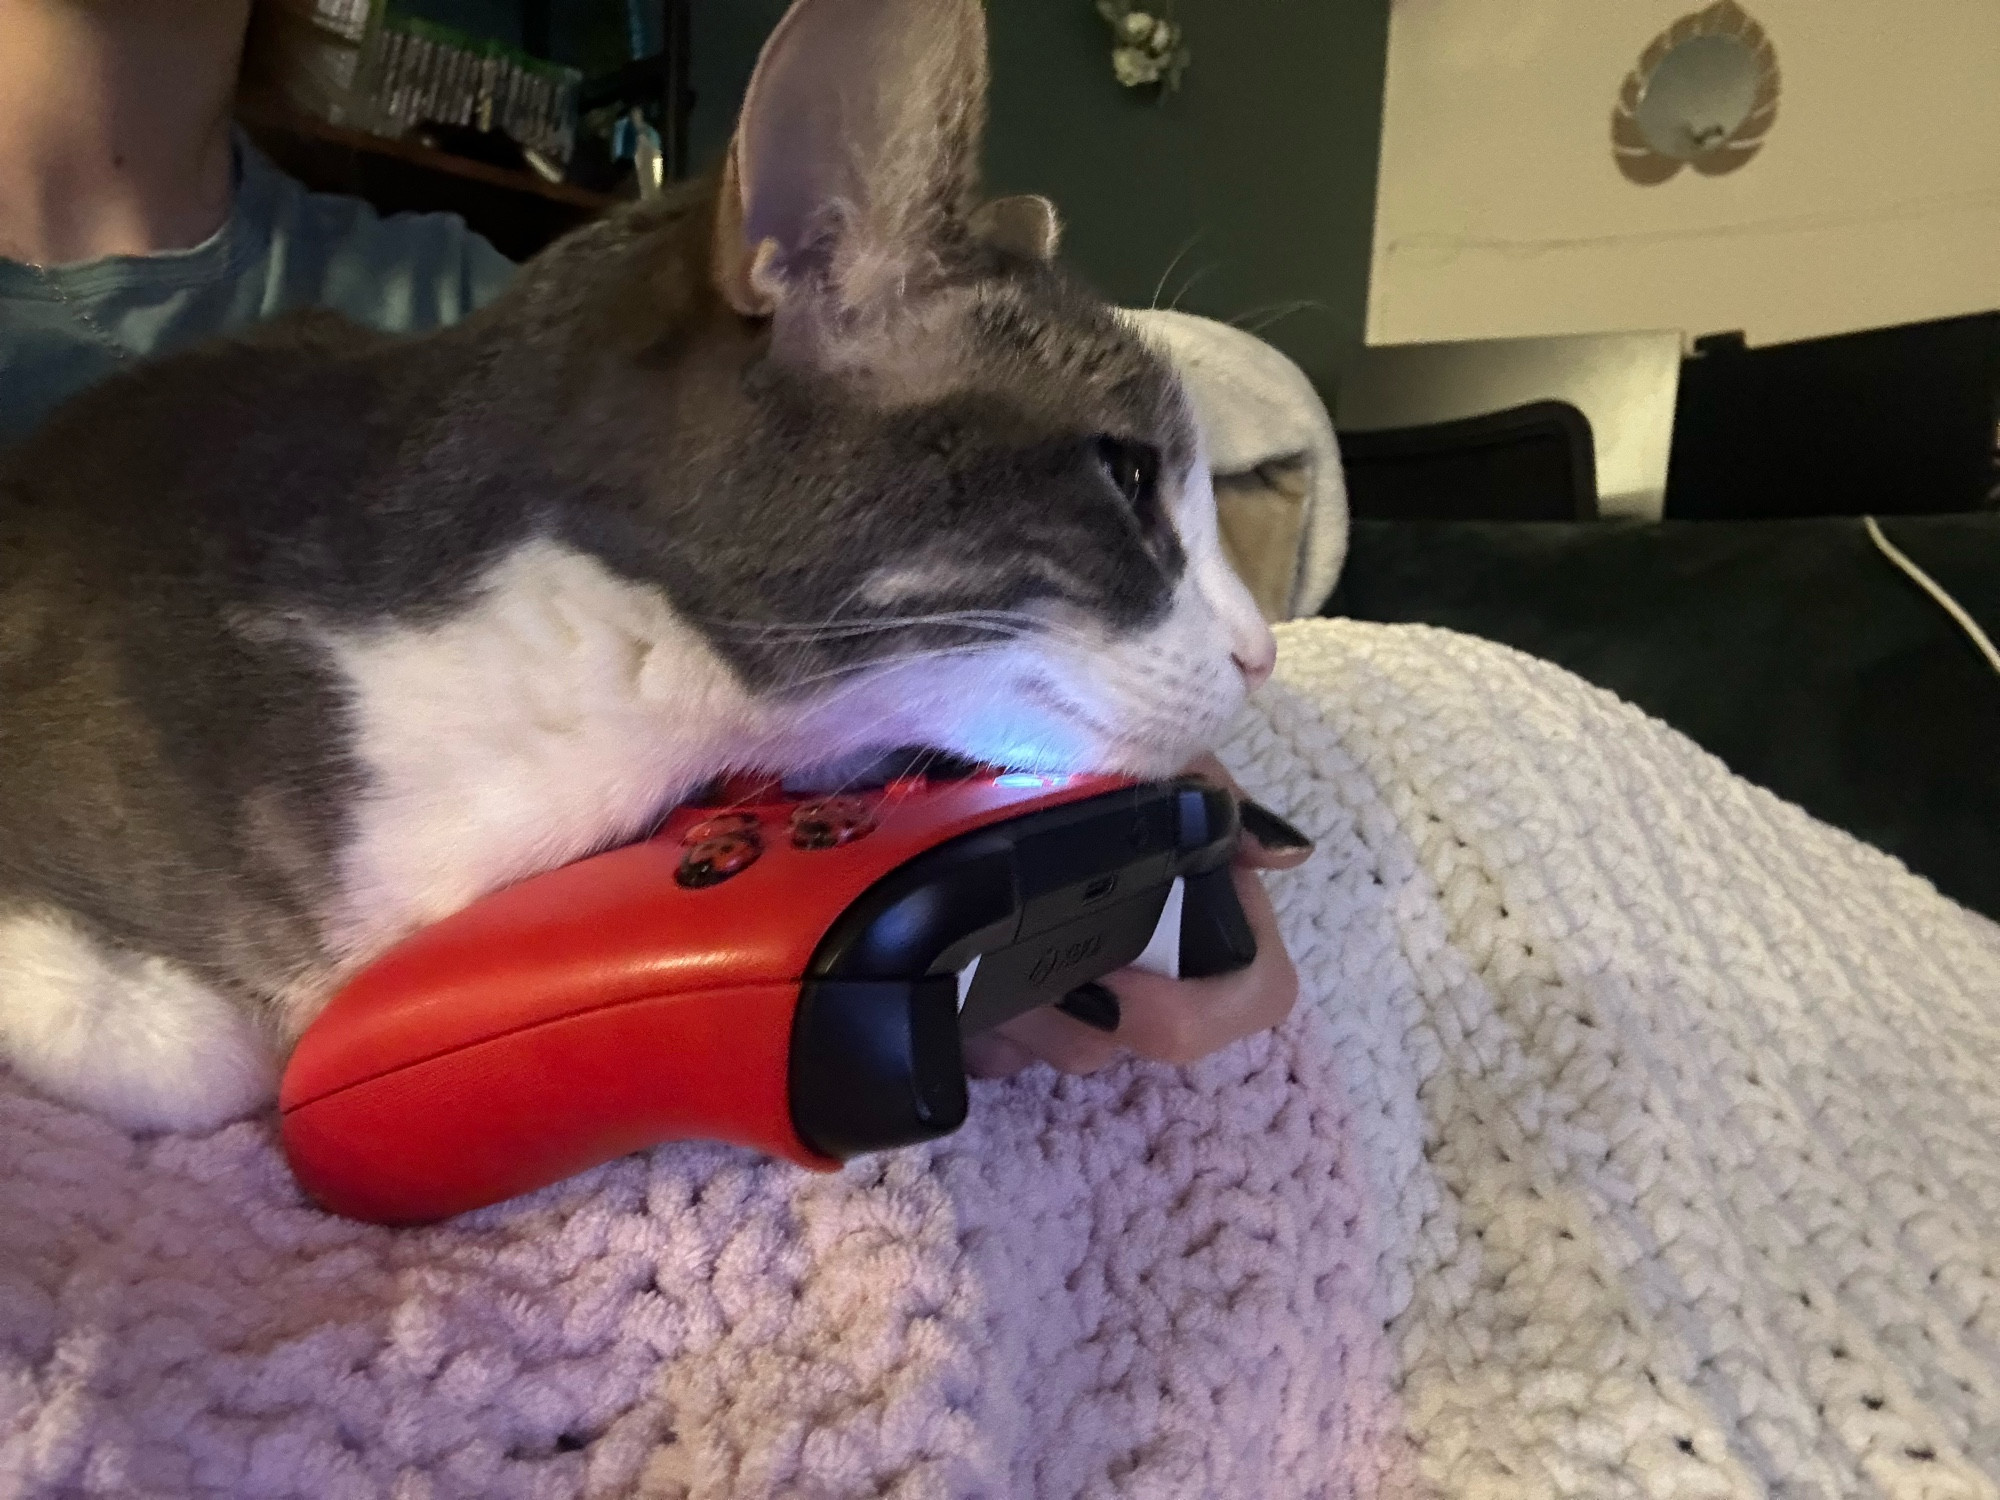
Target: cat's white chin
1145,762
1029,710
1142,760
994,719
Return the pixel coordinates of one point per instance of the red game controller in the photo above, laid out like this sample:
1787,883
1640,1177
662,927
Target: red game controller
788,972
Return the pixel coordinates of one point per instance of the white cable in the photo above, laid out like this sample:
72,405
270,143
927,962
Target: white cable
1924,581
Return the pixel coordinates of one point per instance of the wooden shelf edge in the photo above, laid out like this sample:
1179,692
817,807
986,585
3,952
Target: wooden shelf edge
259,116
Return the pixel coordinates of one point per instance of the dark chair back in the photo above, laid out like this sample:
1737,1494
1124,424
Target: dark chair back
1889,421
1527,463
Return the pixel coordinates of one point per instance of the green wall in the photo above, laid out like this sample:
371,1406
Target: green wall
1259,175
724,38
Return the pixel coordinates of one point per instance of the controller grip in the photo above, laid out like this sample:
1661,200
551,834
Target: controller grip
1215,935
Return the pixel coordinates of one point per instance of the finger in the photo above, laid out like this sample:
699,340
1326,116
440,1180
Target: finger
1269,842
994,1055
1065,1044
1179,1021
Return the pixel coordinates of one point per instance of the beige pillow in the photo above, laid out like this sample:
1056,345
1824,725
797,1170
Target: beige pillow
1281,496
1262,517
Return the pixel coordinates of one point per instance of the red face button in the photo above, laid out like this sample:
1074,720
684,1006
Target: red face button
721,826
831,822
715,860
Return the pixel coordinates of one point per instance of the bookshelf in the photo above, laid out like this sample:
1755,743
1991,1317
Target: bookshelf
291,56
518,211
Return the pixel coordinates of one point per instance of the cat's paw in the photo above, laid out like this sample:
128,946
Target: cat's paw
133,1038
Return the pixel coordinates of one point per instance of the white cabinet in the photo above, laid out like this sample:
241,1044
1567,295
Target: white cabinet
1501,213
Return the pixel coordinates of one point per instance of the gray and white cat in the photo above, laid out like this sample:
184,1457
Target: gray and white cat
312,637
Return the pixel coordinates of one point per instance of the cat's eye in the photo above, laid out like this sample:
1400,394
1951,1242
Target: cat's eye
1132,468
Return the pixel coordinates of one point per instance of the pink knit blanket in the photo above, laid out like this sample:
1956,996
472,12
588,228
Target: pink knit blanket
1141,1284
1636,1136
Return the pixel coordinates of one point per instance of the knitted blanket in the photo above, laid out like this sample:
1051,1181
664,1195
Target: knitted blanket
1638,1137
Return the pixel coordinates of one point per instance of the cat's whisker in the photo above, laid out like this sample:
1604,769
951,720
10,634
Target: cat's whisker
856,669
826,622
1002,625
1179,255
1190,284
1277,312
873,621
800,630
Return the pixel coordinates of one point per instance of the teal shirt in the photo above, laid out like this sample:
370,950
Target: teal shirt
282,248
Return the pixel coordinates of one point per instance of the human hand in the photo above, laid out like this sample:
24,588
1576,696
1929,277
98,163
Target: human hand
1168,1020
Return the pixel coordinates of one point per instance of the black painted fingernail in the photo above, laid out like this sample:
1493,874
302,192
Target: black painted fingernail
1270,830
1092,1004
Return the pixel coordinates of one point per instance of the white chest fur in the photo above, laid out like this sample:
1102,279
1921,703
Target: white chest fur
553,715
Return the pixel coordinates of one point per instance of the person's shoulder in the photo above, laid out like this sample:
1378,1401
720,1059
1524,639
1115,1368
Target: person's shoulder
403,272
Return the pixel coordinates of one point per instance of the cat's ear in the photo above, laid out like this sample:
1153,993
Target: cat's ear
1026,226
856,154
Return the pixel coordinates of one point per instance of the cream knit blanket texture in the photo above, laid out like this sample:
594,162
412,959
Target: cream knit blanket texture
1637,1136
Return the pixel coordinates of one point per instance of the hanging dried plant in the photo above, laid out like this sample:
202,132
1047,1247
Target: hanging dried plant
1148,49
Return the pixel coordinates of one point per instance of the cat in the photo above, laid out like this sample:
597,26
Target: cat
313,636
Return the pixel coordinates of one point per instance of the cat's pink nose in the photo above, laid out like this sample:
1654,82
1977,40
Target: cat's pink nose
1255,663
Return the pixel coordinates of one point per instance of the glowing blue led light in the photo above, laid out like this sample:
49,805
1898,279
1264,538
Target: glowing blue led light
1035,750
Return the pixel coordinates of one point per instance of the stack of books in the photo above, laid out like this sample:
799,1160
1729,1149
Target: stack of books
366,65
343,18
415,72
